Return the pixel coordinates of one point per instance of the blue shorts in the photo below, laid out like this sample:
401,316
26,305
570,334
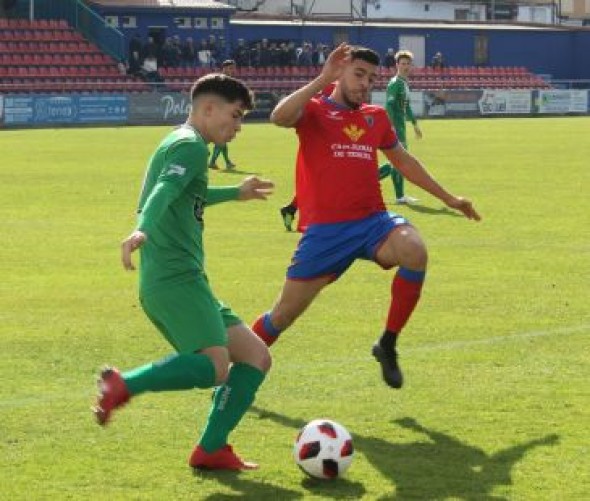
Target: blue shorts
330,249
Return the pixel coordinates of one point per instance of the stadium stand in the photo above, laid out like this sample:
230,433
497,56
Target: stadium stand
49,56
290,78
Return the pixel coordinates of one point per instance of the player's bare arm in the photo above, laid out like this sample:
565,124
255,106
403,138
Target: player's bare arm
416,173
289,109
129,245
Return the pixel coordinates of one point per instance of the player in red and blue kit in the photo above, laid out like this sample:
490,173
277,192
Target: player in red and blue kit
341,199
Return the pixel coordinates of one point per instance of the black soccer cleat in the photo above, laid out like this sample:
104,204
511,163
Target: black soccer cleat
392,374
288,214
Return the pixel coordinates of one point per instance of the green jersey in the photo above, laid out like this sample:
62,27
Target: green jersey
397,104
171,206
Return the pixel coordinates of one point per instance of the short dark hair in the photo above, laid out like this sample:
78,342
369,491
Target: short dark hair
365,54
228,88
228,62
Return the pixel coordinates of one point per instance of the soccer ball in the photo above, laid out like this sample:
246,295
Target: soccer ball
323,449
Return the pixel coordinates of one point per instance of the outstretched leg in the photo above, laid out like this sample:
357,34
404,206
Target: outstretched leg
295,297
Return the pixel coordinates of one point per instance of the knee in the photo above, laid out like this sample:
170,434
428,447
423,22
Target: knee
221,372
258,356
414,255
266,362
263,360
220,360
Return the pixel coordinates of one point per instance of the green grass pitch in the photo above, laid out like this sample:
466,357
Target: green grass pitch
496,403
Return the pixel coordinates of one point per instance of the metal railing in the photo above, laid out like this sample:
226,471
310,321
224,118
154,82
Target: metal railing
89,23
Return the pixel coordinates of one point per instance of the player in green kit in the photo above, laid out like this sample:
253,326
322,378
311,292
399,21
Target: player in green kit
212,346
228,67
397,104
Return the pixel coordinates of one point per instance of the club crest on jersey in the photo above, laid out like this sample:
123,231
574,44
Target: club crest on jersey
353,132
370,119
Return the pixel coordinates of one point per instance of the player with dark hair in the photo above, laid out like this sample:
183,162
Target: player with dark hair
228,67
346,218
289,211
212,346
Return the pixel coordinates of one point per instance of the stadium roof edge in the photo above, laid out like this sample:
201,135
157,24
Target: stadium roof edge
164,4
405,24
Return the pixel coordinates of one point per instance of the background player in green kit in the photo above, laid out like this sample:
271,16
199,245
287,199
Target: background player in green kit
228,67
397,104
212,347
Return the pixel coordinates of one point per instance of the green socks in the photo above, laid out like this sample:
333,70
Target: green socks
398,183
385,171
214,154
176,372
231,402
224,153
217,150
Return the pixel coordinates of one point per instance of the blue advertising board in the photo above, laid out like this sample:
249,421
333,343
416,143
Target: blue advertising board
65,109
112,108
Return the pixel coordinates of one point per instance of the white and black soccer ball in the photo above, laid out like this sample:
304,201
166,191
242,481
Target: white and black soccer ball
323,449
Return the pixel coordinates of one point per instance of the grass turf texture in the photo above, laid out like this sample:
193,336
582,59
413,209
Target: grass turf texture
496,356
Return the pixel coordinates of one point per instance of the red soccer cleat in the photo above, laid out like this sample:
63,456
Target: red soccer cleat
222,459
112,393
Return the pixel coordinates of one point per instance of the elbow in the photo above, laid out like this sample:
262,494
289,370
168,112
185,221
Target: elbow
278,118
275,117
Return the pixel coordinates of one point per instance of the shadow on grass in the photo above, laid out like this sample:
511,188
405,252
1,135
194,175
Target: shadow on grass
440,468
442,211
246,488
237,172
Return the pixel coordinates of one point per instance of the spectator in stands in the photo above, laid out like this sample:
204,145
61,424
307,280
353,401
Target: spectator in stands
204,54
255,55
150,49
214,51
326,49
149,71
305,55
389,59
123,68
134,64
168,54
222,53
228,67
135,47
177,53
317,55
264,54
241,54
188,53
291,49
275,55
286,54
438,61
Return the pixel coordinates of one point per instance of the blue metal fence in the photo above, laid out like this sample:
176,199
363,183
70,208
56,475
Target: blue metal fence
83,19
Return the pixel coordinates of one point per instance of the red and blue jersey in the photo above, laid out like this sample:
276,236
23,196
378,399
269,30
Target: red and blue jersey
337,176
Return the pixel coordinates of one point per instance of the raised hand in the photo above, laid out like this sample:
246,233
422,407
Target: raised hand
336,62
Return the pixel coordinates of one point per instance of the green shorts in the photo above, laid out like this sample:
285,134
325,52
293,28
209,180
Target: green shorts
189,316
